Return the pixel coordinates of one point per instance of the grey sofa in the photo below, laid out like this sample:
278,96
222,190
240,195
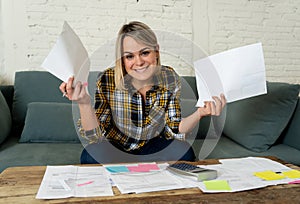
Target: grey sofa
38,127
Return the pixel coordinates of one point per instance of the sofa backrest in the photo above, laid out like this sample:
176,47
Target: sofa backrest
189,97
41,86
258,122
38,86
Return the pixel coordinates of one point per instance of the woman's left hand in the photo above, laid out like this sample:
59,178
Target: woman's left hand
212,107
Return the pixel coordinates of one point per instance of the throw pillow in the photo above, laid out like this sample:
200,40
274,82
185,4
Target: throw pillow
5,119
33,86
257,122
49,122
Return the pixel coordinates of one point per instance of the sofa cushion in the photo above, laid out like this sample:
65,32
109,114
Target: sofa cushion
49,122
257,122
33,86
5,119
292,135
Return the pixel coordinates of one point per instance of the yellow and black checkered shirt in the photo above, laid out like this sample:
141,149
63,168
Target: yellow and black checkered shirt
127,119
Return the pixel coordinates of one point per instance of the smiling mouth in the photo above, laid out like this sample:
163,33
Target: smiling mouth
141,70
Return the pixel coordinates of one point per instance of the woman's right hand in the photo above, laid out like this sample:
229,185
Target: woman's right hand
77,93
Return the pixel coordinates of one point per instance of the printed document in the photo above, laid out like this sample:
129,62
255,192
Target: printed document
234,175
240,173
145,177
68,57
74,181
238,73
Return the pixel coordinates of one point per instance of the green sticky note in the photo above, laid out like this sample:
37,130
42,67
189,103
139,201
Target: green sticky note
269,175
217,185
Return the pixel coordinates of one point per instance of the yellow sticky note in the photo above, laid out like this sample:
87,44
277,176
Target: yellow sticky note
292,174
269,175
217,185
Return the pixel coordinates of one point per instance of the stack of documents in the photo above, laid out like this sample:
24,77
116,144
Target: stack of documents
145,177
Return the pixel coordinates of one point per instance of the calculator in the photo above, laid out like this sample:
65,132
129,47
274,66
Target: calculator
186,169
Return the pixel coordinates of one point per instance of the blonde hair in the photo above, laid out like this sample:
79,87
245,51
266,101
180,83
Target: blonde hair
142,34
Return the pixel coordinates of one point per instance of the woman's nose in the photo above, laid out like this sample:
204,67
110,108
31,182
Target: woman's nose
139,60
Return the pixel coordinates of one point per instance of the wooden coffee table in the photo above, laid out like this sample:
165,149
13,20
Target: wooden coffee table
21,184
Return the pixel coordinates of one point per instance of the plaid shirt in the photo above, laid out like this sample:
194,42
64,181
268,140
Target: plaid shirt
127,119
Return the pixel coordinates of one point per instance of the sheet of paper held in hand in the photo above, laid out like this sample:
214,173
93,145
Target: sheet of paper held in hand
238,73
68,57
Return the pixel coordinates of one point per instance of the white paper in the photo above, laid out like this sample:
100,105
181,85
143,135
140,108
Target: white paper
239,173
142,182
68,57
238,73
74,181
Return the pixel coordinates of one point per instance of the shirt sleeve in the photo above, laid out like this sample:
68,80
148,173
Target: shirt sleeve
103,114
93,136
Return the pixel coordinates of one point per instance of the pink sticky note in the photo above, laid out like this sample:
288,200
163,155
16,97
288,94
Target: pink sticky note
136,169
143,168
150,166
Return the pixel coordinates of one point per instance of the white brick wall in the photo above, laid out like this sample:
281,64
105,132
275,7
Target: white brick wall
95,21
30,28
275,23
2,70
98,21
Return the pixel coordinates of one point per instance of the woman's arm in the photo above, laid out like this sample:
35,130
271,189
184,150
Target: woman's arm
210,108
79,94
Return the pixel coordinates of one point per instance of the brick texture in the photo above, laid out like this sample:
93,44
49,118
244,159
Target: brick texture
98,21
224,24
234,23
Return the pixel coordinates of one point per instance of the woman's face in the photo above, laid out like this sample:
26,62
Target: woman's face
140,60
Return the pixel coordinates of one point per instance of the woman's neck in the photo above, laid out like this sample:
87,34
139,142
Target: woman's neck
142,86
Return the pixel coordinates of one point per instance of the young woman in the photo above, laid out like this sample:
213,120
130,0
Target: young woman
136,116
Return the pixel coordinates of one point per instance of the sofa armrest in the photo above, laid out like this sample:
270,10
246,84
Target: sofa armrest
8,93
291,134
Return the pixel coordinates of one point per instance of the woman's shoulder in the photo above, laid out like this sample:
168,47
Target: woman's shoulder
107,72
169,78
107,76
169,73
168,69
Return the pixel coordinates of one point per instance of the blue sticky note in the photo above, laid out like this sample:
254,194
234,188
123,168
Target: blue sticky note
117,169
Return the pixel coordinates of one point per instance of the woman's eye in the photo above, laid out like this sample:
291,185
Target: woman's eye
129,57
145,53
